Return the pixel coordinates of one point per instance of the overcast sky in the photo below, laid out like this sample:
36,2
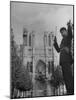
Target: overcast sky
38,17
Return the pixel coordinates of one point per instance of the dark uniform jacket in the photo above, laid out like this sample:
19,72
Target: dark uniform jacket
65,57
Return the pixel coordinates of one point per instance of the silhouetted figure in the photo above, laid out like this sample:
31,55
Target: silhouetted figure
66,57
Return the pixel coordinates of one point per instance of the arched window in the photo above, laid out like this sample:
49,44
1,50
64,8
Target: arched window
31,67
49,40
49,67
30,40
45,39
25,31
25,39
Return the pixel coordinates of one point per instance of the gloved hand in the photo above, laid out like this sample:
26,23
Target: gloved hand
55,39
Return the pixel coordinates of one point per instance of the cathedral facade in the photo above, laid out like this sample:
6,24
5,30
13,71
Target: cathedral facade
34,57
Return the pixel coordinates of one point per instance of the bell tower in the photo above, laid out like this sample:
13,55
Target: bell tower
25,37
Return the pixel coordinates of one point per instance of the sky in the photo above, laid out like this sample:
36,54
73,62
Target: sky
38,17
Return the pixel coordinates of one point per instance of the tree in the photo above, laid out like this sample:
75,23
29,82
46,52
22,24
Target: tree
20,78
13,62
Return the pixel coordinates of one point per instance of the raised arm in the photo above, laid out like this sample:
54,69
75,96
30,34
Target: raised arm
69,30
56,45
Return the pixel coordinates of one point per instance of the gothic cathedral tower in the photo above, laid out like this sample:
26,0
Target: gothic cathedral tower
27,48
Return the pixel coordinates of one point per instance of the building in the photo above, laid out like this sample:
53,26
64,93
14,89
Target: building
32,56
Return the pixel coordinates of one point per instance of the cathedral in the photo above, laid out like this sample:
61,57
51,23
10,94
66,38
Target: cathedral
37,59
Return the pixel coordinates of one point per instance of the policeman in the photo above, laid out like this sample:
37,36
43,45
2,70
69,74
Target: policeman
65,57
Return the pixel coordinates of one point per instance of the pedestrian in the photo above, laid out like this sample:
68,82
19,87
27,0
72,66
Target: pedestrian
66,57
